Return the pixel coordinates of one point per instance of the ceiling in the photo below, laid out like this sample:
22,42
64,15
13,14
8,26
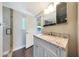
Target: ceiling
31,8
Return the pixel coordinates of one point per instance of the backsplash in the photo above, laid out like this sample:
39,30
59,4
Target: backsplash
64,35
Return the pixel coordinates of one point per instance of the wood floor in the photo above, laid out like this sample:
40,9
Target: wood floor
23,52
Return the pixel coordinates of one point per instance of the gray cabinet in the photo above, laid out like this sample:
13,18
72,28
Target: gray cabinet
45,49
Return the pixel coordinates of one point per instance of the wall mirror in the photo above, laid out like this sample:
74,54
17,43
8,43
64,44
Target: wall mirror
56,13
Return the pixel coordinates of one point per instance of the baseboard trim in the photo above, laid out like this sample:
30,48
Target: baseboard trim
19,48
5,53
23,46
29,47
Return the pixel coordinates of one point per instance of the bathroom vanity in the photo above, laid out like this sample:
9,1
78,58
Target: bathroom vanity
50,46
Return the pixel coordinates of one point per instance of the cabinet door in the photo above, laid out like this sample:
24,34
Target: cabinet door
61,52
49,53
35,51
35,48
38,50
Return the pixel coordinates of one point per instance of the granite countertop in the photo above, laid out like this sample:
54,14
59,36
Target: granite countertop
59,41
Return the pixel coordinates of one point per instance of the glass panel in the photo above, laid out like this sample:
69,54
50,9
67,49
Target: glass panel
24,23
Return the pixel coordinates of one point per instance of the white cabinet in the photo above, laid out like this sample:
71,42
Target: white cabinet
41,50
38,50
49,53
45,49
63,52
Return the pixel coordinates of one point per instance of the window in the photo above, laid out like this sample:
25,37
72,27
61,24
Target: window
24,23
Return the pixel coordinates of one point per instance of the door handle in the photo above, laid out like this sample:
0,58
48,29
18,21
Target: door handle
8,31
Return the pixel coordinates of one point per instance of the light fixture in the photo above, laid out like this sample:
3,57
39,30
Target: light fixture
51,8
46,11
56,3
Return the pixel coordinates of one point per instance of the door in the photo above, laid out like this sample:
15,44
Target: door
7,30
30,30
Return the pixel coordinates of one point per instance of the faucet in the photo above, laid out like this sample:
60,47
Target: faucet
50,33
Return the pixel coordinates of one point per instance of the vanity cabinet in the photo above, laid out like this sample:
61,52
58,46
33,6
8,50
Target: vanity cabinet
43,48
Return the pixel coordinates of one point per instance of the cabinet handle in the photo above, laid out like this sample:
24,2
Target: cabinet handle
37,45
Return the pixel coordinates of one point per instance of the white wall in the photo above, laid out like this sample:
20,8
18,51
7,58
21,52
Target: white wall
18,40
21,39
1,30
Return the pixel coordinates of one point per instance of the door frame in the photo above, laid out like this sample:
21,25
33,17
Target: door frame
1,30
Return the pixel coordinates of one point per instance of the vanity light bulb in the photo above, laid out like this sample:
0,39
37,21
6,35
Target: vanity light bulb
50,8
56,3
46,11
